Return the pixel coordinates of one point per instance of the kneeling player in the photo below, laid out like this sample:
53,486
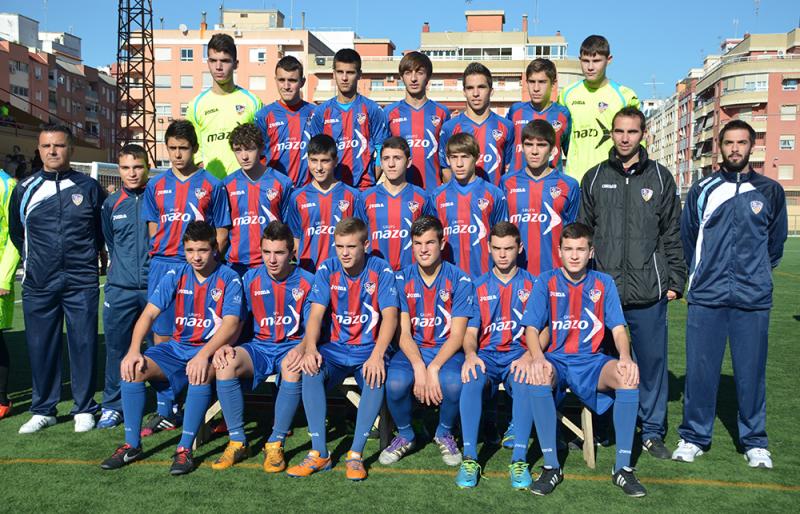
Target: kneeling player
578,304
495,349
435,304
207,297
277,295
360,291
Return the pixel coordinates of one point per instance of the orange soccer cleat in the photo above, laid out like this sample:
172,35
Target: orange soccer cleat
310,465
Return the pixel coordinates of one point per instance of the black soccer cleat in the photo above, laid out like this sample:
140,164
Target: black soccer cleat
655,447
182,462
122,456
627,481
547,481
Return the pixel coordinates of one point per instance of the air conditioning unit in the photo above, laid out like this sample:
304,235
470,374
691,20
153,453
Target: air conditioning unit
237,33
320,61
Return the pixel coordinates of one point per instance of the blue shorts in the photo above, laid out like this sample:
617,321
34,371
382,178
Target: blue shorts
453,364
172,358
164,325
342,360
267,358
498,365
580,372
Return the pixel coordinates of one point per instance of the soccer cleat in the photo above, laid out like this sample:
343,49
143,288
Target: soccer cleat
5,410
182,462
547,481
355,467
450,454
627,481
110,418
655,447
310,465
508,438
396,450
157,423
520,475
84,421
468,474
686,451
235,452
273,458
122,456
37,423
758,458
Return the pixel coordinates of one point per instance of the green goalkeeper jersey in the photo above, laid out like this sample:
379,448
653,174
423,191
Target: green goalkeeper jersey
592,111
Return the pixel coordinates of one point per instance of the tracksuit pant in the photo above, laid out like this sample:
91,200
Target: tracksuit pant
121,308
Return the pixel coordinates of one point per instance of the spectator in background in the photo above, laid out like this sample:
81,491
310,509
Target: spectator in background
9,258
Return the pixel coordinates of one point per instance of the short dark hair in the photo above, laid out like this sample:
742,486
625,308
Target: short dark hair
397,143
463,142
278,231
576,231
223,43
415,60
347,56
290,63
426,223
539,129
246,135
737,125
322,144
630,111
505,229
542,64
181,129
59,127
476,68
135,151
352,226
198,230
595,44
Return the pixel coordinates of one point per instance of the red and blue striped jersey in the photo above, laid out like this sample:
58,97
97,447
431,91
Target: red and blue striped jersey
199,306
495,137
253,206
283,129
498,310
422,129
172,203
312,215
541,208
432,308
389,220
280,308
468,213
522,113
577,314
358,128
355,302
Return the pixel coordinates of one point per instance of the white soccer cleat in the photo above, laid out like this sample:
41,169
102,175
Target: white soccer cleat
37,423
686,452
758,458
84,422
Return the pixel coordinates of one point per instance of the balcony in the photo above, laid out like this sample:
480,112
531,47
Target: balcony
743,97
758,154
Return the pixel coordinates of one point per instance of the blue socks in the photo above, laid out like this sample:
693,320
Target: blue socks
544,415
197,399
368,408
398,399
522,419
289,394
232,402
626,407
471,403
133,398
316,409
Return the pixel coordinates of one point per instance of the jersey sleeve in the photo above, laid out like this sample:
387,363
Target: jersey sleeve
475,318
500,211
566,133
222,210
400,281
321,290
778,226
107,226
690,225
164,292
378,127
9,257
508,147
463,294
573,203
292,216
149,208
316,123
387,289
443,139
537,310
631,97
612,307
232,304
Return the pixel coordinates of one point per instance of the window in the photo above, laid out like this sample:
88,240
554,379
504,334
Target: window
786,172
205,53
187,54
376,85
184,108
187,82
163,109
258,55
163,54
789,84
37,72
38,96
19,90
160,136
788,112
786,143
163,81
206,80
258,83
324,84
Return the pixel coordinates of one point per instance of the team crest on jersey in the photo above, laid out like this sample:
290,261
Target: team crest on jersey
77,199
444,294
523,295
361,118
200,193
435,120
369,287
555,192
343,205
602,106
216,294
271,194
297,294
483,203
240,108
556,125
594,295
413,206
647,194
755,206
497,134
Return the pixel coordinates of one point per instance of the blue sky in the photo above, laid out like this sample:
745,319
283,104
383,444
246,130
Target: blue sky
662,38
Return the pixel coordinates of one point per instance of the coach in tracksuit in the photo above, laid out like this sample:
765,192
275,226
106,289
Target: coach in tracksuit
54,221
632,204
128,242
733,230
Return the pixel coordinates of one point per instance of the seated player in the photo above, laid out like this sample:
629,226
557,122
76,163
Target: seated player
208,307
579,305
391,207
315,209
360,291
435,304
277,296
495,350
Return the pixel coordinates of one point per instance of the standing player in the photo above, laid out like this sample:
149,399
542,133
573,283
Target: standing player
283,122
468,208
360,291
542,200
277,295
126,284
540,77
577,304
314,210
219,109
257,195
356,123
435,304
9,258
419,120
494,134
496,352
391,207
592,103
208,308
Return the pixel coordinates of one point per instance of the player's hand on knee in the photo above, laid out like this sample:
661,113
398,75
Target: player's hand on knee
522,369
197,370
224,356
469,368
131,363
433,390
420,379
312,360
374,371
628,372
542,371
293,360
